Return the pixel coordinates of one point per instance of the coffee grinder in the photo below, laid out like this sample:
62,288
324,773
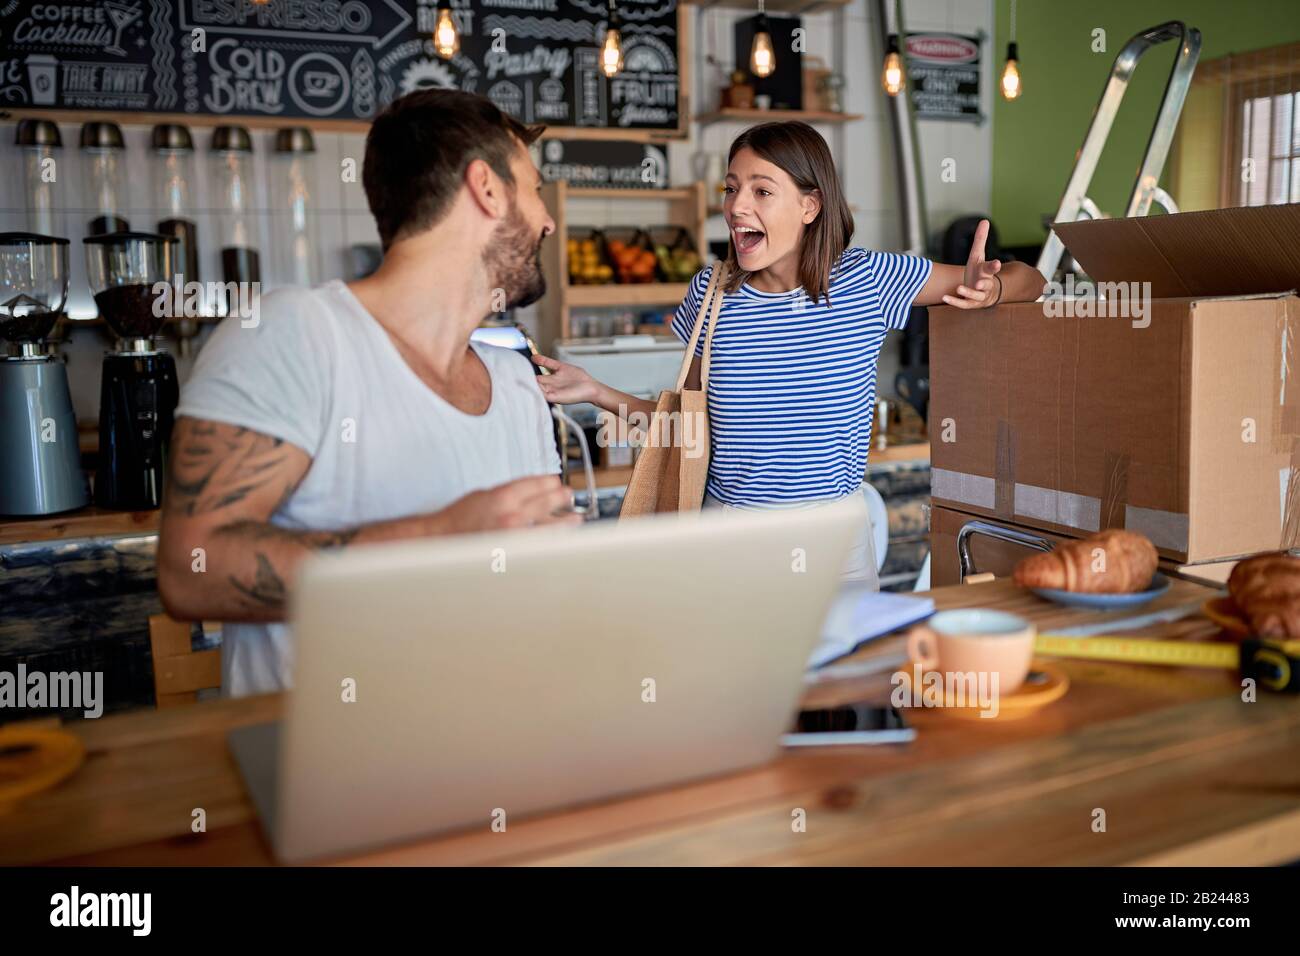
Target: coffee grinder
130,275
40,464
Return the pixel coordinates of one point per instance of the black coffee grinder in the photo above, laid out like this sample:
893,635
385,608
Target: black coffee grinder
130,275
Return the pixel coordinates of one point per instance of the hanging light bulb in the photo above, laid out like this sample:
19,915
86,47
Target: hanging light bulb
1011,72
762,56
1010,75
611,48
446,38
891,77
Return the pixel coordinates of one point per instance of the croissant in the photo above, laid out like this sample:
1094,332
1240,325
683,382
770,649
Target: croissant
1266,589
1127,565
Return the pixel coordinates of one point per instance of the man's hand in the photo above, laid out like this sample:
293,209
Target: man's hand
979,288
524,503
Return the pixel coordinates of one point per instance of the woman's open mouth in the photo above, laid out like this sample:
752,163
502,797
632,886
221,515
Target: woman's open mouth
747,239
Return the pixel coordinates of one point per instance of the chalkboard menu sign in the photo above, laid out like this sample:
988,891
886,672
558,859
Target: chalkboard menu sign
943,73
338,59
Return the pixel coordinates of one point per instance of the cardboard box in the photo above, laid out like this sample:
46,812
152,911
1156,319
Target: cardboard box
1176,420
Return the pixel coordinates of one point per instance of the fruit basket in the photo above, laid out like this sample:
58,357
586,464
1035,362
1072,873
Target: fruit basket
632,255
675,252
589,262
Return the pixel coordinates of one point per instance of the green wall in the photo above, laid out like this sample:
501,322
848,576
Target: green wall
1035,138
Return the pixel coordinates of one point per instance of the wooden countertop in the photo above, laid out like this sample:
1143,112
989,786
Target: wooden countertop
88,522
1186,772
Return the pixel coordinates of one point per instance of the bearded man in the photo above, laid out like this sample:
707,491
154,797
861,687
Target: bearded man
361,412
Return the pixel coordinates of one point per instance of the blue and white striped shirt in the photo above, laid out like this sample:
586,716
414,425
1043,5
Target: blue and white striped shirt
792,385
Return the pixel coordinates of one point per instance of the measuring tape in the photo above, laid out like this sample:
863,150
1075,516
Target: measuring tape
1274,665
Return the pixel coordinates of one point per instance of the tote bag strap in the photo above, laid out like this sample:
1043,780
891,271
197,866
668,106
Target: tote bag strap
712,297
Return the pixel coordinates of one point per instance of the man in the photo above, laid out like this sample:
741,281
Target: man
358,413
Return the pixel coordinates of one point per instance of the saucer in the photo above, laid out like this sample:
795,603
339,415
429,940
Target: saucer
1223,611
1029,697
1106,602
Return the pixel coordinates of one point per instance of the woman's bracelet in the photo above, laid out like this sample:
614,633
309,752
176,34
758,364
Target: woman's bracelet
999,298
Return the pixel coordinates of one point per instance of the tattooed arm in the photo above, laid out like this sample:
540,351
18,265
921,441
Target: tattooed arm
225,484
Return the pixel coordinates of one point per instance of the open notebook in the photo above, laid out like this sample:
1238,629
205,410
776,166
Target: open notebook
859,615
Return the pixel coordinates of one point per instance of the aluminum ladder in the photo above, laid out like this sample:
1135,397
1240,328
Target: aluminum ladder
1075,204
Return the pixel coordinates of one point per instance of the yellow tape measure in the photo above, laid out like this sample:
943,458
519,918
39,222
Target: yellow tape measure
1139,651
1276,665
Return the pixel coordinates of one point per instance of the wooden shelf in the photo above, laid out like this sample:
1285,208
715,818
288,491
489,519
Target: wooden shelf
773,6
629,293
611,192
730,114
682,206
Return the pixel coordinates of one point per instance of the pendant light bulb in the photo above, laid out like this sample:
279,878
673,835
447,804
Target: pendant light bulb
762,55
1011,75
446,38
891,77
611,48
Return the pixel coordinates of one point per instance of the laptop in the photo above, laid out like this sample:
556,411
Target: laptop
454,683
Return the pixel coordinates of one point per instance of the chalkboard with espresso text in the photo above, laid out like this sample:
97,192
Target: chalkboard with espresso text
338,59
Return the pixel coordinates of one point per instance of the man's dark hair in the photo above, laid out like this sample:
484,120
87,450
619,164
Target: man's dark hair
418,149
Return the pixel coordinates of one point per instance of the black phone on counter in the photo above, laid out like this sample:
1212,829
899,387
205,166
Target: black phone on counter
851,725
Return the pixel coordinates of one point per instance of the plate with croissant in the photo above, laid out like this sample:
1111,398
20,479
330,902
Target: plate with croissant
1263,598
1109,570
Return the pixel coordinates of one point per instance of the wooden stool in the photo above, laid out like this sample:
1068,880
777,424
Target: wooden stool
179,672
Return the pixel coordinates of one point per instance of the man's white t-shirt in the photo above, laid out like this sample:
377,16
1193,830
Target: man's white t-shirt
319,372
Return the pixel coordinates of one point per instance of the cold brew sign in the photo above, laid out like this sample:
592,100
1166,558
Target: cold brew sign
338,59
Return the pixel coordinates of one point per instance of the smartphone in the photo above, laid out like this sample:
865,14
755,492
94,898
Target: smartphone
852,724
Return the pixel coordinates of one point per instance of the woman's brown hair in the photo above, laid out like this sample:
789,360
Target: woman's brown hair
799,150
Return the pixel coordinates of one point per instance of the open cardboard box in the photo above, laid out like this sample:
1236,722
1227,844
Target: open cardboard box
1179,420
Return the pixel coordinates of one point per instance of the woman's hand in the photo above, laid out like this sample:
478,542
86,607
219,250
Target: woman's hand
980,287
567,384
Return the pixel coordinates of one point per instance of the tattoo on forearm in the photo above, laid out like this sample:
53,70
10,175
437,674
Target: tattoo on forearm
214,467
266,589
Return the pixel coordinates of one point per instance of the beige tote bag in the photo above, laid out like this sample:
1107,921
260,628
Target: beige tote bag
674,463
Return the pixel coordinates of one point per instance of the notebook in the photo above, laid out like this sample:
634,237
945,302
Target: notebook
859,615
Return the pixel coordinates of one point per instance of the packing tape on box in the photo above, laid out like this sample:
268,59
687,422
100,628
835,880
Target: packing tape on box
1286,427
1166,529
1114,496
1004,471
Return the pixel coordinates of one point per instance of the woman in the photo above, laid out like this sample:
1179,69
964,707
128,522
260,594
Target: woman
792,381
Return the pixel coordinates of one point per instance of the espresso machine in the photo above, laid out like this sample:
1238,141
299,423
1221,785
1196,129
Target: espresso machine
130,276
40,463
